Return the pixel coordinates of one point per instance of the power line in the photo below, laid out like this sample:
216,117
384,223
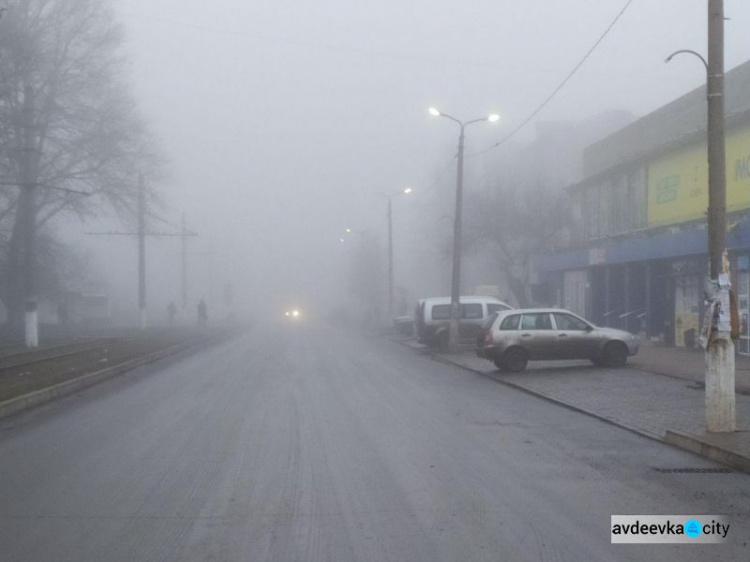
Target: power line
561,85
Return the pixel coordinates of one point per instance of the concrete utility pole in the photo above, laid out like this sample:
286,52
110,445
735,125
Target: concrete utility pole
184,263
720,368
390,259
27,214
456,276
457,225
143,319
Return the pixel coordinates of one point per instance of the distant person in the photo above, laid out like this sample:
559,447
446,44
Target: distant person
202,313
171,312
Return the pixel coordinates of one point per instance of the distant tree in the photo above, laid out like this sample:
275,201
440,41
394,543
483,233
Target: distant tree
67,123
513,220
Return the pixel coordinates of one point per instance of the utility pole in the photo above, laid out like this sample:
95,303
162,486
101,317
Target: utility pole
27,214
456,276
720,368
184,263
143,319
141,234
390,259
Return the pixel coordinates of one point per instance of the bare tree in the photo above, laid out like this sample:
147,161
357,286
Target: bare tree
68,126
512,221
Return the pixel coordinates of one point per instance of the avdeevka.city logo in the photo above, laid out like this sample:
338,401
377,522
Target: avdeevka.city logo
693,528
681,529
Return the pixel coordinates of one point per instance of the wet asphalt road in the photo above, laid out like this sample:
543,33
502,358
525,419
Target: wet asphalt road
312,444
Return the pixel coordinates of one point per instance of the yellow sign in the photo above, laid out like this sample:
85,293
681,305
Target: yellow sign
678,183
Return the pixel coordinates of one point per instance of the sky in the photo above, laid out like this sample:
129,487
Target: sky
286,121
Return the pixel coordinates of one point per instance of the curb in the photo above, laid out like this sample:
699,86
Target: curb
692,443
700,446
549,398
45,395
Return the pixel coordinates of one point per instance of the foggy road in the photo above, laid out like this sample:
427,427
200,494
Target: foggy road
308,443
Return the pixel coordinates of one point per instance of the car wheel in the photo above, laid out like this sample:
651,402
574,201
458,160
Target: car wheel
615,354
498,361
515,360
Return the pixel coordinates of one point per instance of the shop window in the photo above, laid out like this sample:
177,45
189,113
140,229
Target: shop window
637,198
605,208
619,204
591,212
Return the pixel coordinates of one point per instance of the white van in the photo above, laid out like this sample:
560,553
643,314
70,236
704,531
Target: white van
432,318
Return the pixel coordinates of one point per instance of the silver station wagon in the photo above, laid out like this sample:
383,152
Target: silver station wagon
512,338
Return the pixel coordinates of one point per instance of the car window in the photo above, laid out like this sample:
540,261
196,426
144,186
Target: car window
569,322
536,321
441,312
510,322
495,307
487,324
471,311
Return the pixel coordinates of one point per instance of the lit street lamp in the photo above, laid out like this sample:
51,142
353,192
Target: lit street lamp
456,278
405,191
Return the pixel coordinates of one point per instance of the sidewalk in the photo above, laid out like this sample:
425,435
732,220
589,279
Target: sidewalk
660,394
685,363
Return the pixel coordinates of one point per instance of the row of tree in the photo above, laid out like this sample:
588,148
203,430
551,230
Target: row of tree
71,139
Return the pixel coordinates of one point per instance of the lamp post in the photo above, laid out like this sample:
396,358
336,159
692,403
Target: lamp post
720,367
405,191
456,277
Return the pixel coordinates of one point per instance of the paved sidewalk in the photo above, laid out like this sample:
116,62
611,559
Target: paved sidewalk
660,394
685,363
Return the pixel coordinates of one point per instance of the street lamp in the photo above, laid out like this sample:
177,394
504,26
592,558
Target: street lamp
456,278
390,197
720,366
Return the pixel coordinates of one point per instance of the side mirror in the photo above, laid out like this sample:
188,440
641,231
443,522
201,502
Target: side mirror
589,328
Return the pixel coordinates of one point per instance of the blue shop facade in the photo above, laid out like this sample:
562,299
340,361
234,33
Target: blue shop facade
637,255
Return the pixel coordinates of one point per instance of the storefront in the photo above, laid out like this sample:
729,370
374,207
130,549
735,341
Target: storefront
742,286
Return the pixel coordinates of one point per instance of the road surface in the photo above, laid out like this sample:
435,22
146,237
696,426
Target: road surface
312,444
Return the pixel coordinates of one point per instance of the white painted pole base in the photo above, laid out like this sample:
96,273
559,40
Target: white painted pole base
31,320
143,319
720,394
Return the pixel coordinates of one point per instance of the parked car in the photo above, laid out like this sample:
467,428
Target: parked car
432,318
514,337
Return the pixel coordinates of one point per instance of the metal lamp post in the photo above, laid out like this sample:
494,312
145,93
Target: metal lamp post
405,191
456,277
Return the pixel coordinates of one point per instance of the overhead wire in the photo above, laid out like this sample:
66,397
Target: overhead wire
560,86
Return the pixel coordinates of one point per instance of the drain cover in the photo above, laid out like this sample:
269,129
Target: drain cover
694,470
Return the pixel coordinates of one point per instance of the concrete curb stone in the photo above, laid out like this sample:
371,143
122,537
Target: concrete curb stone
700,445
45,395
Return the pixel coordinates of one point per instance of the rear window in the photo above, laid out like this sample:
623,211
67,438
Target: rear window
494,307
441,312
489,322
510,322
471,311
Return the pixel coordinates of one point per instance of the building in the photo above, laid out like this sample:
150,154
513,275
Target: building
638,257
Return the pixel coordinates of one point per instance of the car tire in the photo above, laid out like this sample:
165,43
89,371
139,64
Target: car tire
498,361
615,355
515,360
